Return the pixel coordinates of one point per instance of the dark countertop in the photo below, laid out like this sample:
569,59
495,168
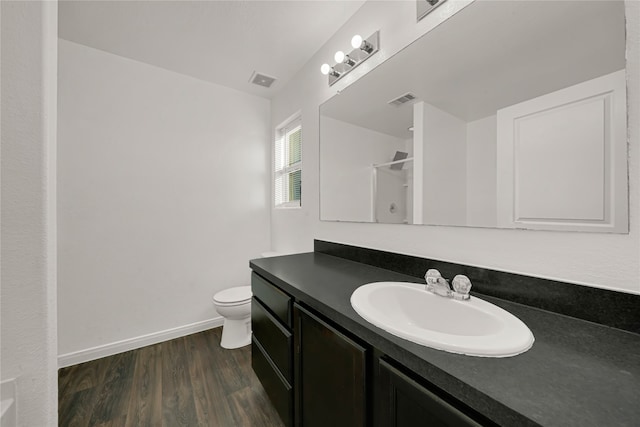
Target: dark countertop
577,373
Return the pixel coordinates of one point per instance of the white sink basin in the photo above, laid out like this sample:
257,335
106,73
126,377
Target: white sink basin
473,327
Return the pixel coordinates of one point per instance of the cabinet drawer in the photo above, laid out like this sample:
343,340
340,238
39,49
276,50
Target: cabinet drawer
273,298
277,388
274,338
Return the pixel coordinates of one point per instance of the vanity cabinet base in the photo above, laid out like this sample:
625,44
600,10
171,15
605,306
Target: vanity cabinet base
317,374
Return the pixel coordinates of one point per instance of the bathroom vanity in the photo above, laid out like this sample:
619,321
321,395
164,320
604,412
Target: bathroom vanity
322,364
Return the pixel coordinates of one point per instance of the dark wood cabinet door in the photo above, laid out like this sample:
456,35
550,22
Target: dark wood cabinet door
406,403
330,382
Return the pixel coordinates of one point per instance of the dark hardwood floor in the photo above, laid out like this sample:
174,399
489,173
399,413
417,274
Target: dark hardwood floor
189,381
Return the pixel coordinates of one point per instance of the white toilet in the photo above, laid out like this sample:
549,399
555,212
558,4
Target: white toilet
234,304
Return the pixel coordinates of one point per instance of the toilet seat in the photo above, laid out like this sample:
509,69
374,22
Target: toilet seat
233,296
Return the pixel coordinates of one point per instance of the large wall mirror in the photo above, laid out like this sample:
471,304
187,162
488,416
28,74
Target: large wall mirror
508,114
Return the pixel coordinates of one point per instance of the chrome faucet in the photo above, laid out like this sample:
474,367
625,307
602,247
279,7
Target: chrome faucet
438,285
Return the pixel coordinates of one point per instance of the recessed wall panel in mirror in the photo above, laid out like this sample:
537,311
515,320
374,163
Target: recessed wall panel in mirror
508,114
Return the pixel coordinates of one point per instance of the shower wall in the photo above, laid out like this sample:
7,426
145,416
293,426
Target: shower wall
392,195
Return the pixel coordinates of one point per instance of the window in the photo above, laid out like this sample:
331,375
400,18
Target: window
288,165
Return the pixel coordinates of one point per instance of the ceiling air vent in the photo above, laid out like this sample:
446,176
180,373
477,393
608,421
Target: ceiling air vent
261,79
402,99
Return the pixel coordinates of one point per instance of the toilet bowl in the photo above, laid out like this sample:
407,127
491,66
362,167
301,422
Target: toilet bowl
234,304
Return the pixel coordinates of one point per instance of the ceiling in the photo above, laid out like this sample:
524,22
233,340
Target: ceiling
222,42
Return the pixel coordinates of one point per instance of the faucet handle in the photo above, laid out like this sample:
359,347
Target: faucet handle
461,285
432,276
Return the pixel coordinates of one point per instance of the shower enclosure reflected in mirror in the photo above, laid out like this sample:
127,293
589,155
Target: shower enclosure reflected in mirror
392,190
512,114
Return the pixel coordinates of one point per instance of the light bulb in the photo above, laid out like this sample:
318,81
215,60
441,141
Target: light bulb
339,56
356,41
325,69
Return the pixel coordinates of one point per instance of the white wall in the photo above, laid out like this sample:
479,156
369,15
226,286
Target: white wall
28,295
348,172
602,260
163,199
481,172
444,178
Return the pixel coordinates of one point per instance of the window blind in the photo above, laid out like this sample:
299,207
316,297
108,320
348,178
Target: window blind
288,165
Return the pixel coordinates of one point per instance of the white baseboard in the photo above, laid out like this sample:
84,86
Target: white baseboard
8,403
110,349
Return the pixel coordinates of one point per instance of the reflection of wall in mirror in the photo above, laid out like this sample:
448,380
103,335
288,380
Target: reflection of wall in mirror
481,173
348,154
459,168
444,165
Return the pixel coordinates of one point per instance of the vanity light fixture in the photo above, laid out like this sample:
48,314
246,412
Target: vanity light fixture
362,50
328,69
340,57
358,43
